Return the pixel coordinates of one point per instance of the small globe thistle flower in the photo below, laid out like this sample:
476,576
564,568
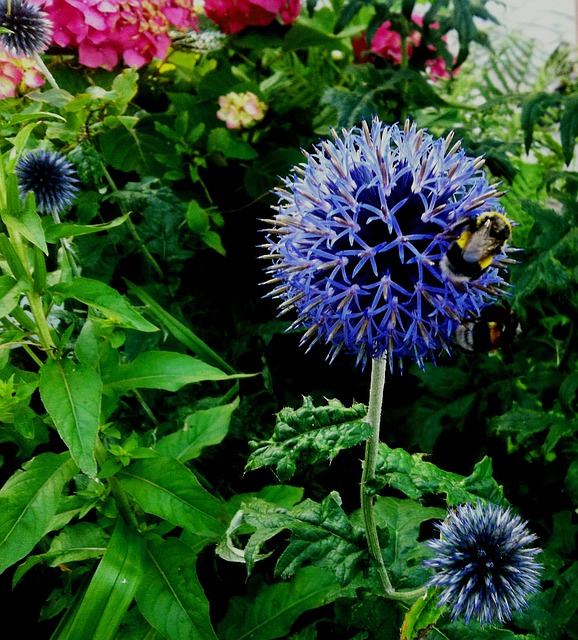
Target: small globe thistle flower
356,244
50,176
484,564
29,30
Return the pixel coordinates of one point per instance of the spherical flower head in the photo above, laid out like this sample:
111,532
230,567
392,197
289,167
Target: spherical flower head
50,176
232,16
356,244
241,110
484,562
29,29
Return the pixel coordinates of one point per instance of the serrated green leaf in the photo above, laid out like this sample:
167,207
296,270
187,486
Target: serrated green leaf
321,534
170,596
110,592
107,300
161,370
166,488
414,477
271,611
28,502
202,429
71,393
423,613
310,434
29,224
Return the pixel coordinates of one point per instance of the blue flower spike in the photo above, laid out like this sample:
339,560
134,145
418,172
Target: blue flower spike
484,562
28,28
357,240
50,176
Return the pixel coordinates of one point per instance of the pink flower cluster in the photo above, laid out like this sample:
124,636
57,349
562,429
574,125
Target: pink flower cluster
232,16
17,75
386,44
103,31
241,110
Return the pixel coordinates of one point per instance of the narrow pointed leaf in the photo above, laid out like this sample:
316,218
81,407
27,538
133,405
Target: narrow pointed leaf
161,370
273,610
181,332
107,300
111,590
202,429
28,502
55,231
71,393
424,613
170,596
166,488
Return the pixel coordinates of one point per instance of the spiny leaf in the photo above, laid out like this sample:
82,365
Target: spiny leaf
310,434
414,477
321,534
424,613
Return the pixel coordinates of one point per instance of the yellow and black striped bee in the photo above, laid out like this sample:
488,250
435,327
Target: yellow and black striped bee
495,328
480,239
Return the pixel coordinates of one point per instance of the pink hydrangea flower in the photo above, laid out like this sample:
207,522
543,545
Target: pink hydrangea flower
104,31
386,44
232,16
17,75
241,110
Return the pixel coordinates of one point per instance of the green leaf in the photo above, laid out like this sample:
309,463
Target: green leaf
221,140
55,232
71,394
181,332
270,612
414,477
310,434
28,224
110,592
403,554
107,300
28,502
161,370
424,613
202,429
10,292
77,542
166,488
170,596
321,534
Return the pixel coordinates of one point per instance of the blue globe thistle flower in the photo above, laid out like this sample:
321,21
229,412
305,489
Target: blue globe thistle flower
29,28
484,564
361,228
50,176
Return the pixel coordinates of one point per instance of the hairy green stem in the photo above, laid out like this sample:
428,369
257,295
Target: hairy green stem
378,373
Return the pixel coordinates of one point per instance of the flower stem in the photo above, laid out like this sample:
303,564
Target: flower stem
40,62
378,372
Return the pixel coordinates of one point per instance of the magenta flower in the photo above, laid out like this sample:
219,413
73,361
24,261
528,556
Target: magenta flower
104,31
232,16
387,45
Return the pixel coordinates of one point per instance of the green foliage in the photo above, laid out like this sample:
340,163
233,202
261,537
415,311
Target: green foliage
308,435
140,371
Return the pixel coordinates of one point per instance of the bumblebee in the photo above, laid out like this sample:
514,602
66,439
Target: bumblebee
495,328
480,239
